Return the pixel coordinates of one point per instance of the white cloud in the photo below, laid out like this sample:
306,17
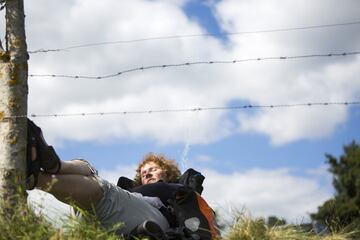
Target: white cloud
339,83
75,22
112,175
265,193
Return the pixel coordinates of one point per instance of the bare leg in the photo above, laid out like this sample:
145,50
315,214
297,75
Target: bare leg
83,191
75,167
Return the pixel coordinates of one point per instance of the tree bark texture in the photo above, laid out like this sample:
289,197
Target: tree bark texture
13,102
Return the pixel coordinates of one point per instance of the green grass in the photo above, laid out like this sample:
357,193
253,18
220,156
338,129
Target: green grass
20,222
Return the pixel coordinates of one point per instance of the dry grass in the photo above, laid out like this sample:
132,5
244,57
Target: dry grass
246,228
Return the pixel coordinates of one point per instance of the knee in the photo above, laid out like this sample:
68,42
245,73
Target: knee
78,167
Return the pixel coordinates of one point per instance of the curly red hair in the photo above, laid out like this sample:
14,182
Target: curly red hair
169,166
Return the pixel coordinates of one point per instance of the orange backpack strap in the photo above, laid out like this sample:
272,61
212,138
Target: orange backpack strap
209,214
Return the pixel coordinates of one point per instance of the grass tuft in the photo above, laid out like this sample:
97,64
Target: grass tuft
246,228
88,227
21,222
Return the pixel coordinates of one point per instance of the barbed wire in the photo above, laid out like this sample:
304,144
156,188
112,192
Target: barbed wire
195,109
162,66
192,36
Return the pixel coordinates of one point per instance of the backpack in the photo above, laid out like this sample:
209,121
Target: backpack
194,217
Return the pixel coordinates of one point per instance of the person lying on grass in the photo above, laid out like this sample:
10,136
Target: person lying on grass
76,182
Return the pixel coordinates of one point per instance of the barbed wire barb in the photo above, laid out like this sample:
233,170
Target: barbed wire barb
212,62
193,109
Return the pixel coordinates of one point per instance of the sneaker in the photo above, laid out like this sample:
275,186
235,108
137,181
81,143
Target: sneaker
46,156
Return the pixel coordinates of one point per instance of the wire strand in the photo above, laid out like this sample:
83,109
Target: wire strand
193,36
162,66
179,110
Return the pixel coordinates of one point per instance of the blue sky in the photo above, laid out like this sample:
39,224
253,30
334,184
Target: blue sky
202,13
268,160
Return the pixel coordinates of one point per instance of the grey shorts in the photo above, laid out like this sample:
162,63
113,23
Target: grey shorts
120,206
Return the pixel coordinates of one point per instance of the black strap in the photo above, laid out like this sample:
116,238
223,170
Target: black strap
125,183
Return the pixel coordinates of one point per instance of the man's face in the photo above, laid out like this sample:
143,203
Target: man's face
151,173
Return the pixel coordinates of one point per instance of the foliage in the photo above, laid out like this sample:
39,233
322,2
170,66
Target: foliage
246,228
275,221
343,211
